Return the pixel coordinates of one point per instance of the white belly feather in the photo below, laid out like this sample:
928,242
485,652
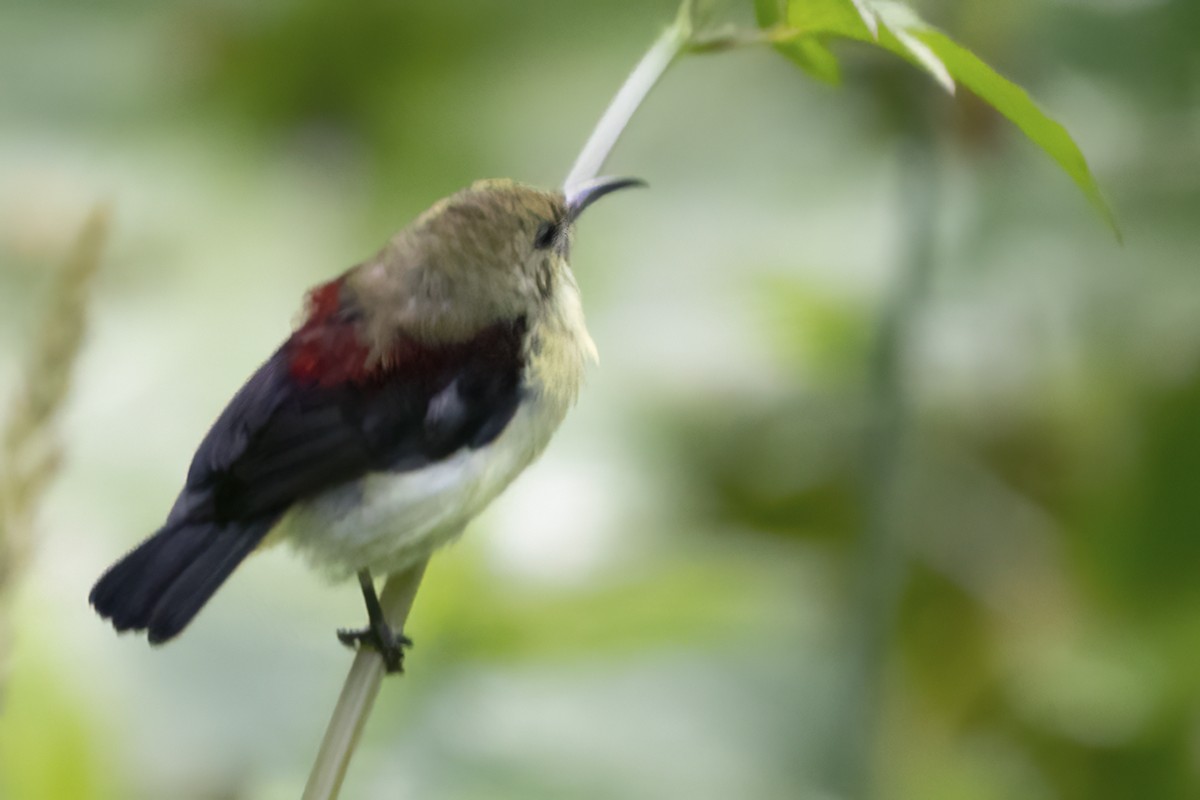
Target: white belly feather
388,521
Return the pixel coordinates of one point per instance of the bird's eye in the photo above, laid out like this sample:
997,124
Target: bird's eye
547,232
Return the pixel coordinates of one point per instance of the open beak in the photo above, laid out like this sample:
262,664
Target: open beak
587,193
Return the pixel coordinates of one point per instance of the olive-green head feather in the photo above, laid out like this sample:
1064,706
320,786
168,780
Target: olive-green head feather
488,253
495,251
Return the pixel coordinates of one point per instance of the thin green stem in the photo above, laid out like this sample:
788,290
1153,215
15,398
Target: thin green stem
366,673
665,50
882,552
359,693
735,38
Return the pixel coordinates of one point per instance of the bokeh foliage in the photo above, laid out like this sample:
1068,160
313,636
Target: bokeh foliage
665,606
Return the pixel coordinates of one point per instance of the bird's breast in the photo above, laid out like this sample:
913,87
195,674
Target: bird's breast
386,521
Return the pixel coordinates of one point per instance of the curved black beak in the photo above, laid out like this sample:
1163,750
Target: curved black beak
589,192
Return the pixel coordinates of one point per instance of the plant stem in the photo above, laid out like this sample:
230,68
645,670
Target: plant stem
359,692
633,92
366,673
30,451
882,552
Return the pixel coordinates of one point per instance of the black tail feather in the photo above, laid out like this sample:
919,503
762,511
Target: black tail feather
161,585
188,593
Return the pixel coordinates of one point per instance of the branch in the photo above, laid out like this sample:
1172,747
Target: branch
359,692
633,92
366,673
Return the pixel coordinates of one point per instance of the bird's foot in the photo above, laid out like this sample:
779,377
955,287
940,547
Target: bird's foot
380,637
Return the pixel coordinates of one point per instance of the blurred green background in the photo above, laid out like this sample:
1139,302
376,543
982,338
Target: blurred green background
679,599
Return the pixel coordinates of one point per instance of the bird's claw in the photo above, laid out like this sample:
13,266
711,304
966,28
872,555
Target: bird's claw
383,640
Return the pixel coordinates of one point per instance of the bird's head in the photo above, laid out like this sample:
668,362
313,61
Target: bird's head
495,251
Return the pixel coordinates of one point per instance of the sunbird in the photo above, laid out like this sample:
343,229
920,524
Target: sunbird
418,385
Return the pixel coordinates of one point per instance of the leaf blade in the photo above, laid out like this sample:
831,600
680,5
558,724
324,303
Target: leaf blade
921,55
903,33
867,14
1015,104
769,13
813,56
836,17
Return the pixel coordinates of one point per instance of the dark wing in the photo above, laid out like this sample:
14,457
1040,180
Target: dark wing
313,417
286,436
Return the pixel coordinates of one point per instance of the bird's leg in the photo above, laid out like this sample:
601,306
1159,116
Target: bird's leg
378,635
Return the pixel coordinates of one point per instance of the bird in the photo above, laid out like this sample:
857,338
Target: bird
417,385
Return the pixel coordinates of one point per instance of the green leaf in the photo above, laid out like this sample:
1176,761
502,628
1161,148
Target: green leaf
901,22
902,32
848,19
810,53
1012,101
814,57
836,17
867,15
770,13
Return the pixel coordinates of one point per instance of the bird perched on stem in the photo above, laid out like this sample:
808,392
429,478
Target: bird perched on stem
418,386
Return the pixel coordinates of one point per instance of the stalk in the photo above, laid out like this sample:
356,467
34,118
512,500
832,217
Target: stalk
359,693
645,76
366,673
882,557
